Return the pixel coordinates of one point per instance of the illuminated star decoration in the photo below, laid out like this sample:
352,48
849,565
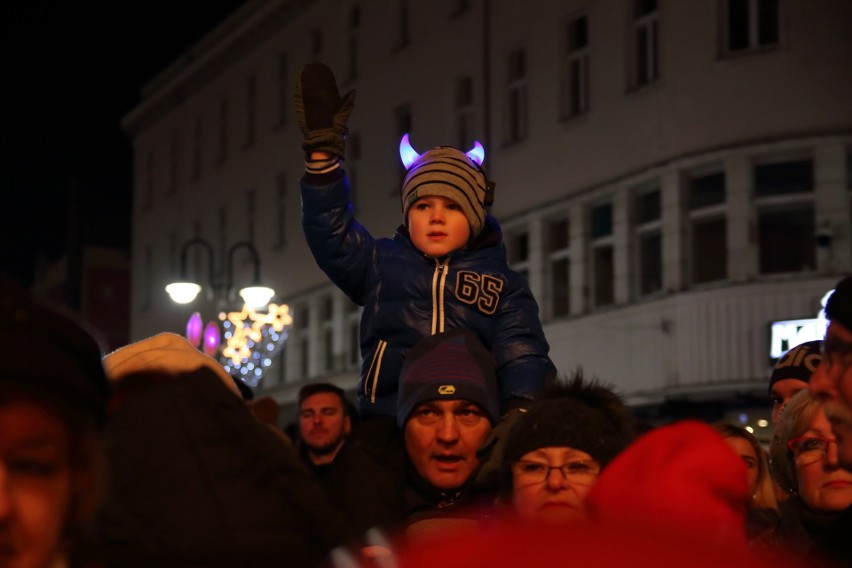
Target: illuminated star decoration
252,339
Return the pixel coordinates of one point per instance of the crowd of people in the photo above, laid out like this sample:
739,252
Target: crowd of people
152,456
463,446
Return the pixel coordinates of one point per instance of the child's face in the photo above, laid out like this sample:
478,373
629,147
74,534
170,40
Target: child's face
437,226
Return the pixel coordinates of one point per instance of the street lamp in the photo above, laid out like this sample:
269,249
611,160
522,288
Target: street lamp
185,291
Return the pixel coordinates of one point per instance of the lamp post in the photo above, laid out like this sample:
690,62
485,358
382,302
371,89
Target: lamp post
185,291
253,335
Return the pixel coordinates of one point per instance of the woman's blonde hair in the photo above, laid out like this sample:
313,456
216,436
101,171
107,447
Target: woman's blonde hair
764,495
795,419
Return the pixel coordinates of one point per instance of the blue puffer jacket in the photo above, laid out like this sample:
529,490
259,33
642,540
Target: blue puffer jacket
407,296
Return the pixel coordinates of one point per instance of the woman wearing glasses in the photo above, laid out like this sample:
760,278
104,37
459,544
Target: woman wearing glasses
556,450
804,463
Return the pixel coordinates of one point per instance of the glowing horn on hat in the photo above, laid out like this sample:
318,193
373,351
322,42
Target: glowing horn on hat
407,154
477,154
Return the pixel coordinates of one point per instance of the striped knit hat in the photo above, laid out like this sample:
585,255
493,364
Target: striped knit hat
448,172
448,366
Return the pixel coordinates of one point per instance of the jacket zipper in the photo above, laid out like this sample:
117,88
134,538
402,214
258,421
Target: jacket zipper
439,279
375,367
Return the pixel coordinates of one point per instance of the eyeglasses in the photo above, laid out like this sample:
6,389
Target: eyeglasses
808,449
528,472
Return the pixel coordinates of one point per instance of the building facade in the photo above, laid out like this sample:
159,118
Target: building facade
671,177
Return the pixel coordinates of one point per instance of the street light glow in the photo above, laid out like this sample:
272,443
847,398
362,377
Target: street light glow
183,292
257,296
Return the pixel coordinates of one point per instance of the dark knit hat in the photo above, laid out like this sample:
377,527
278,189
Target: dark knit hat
582,415
839,306
448,366
448,172
798,363
55,357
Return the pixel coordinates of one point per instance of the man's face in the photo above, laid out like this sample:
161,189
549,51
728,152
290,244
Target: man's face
35,484
323,424
781,393
437,226
441,439
832,383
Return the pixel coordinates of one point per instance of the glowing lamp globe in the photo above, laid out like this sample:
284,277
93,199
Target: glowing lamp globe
183,292
257,296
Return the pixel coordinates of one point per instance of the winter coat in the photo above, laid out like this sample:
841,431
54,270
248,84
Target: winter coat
374,485
408,296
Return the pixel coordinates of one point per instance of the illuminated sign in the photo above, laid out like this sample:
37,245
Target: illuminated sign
786,334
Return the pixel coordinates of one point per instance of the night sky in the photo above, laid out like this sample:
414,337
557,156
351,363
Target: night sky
72,70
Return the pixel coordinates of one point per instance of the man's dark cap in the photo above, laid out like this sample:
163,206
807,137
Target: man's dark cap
839,306
451,365
798,363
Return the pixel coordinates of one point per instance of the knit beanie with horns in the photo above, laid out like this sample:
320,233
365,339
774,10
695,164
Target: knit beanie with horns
448,172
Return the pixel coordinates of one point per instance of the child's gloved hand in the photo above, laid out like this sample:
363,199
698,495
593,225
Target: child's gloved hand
491,453
321,111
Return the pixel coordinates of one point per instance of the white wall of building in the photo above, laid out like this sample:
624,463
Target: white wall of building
707,110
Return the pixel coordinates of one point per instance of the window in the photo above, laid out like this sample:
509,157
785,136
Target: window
645,42
251,215
649,242
251,109
285,101
518,243
223,132
460,7
707,227
147,277
316,43
197,145
785,216
174,264
301,339
280,210
353,321
354,24
222,230
404,24
517,102
173,164
464,112
328,349
750,24
305,357
783,178
195,252
559,266
575,72
282,364
403,121
327,313
603,270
